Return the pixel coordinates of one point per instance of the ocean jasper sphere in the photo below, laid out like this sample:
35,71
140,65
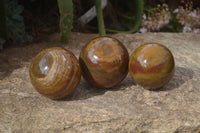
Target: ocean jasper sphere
55,73
151,65
104,62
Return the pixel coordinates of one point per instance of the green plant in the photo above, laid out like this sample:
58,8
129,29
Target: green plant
11,22
173,25
66,19
12,26
101,26
131,19
188,17
3,24
182,18
15,22
130,13
156,18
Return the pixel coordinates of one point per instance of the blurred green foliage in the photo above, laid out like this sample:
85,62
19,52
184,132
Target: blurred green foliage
12,23
15,21
129,16
129,13
173,25
3,24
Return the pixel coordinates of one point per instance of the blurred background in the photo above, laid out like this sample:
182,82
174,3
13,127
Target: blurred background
30,20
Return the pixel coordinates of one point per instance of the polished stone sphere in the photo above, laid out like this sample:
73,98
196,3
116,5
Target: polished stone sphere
55,73
151,65
104,62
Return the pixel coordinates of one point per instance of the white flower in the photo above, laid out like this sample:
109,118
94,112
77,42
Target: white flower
176,10
144,17
193,14
143,30
187,28
197,31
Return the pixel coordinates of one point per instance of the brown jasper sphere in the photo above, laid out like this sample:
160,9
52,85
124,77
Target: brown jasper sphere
55,73
151,65
104,62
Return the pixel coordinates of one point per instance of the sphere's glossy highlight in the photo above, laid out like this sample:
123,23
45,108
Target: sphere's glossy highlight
55,72
151,65
104,62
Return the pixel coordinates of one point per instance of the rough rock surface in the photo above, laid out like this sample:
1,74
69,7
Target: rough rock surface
124,108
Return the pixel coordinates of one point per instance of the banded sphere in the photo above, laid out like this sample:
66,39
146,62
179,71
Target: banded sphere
55,72
151,65
104,62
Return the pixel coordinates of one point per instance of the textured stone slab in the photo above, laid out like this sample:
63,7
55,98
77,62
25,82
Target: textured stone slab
125,108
